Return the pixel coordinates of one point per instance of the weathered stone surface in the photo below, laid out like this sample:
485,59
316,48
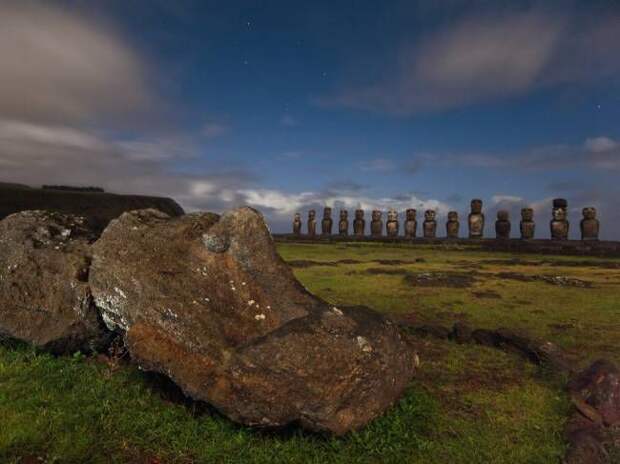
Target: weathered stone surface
233,327
359,224
559,225
452,226
297,224
392,226
527,226
44,295
411,224
502,225
429,226
343,224
376,225
589,225
327,222
599,386
475,219
312,223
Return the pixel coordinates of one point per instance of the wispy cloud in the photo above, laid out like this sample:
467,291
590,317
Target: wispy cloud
213,129
377,165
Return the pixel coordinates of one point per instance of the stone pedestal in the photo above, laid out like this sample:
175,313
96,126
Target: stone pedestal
297,224
527,225
559,224
326,223
411,224
376,225
392,226
502,225
359,224
312,223
452,226
430,224
343,224
476,219
589,224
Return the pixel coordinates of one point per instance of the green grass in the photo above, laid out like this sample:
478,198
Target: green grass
467,404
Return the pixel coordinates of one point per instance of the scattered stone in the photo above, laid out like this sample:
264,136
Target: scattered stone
296,359
561,281
441,279
44,294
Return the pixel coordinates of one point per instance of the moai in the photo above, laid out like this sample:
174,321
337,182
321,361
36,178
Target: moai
476,219
376,225
297,224
502,225
326,223
343,224
430,224
359,224
527,224
311,223
452,226
559,224
589,224
411,224
391,225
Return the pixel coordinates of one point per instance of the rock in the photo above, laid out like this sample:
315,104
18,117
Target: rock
599,386
461,333
207,301
433,330
44,294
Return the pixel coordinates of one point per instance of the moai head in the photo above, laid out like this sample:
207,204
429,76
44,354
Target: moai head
344,214
476,206
589,212
411,214
502,215
560,203
297,217
327,212
392,215
429,215
559,214
359,214
376,215
311,214
527,214
453,216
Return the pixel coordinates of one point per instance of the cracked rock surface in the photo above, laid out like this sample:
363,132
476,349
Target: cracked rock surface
207,301
44,294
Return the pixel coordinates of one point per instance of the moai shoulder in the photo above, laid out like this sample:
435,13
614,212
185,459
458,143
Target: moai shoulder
476,219
376,225
297,224
312,223
326,223
452,226
430,224
343,224
589,224
391,225
527,225
411,223
502,225
359,223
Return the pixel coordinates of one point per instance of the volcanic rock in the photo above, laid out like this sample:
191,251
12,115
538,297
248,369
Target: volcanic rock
599,386
44,295
207,301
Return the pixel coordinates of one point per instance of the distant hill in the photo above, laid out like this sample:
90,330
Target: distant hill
99,207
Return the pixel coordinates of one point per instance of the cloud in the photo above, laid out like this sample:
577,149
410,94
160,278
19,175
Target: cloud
377,165
489,55
58,66
212,130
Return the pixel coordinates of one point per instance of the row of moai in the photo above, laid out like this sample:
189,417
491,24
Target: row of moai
559,224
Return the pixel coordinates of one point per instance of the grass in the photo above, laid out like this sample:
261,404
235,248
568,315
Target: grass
468,404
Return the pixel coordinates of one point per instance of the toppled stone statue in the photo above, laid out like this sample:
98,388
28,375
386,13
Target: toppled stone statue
312,223
502,225
297,224
527,225
430,224
376,225
207,301
45,299
343,224
411,224
326,223
359,224
476,219
589,224
391,225
452,226
559,224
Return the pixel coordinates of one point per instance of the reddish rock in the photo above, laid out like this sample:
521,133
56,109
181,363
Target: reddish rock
44,294
599,386
207,301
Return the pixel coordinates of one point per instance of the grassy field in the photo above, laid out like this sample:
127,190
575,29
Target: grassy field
468,404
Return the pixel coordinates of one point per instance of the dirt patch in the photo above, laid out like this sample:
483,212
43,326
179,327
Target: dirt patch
561,326
441,279
561,281
490,294
381,270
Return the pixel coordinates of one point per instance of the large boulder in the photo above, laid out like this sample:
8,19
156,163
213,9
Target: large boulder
207,301
44,294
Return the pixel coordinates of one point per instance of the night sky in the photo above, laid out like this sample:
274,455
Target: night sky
286,105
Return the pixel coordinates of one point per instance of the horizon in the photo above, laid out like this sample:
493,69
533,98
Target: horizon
289,107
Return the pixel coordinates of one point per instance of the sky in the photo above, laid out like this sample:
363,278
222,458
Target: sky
288,105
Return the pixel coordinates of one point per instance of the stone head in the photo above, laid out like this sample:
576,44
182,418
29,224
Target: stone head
311,214
359,214
411,213
560,203
476,206
344,214
559,214
502,215
392,215
527,214
297,217
453,216
589,212
376,215
429,215
327,212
